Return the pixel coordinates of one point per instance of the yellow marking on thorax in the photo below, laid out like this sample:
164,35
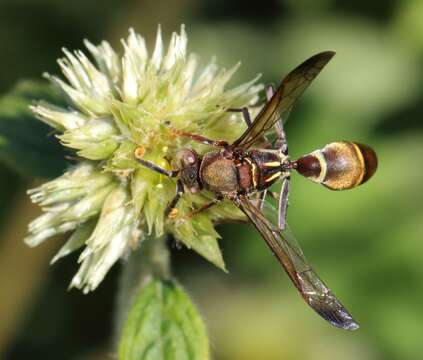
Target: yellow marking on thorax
253,172
362,163
272,164
274,176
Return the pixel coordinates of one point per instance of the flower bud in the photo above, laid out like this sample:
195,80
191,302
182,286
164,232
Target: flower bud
116,105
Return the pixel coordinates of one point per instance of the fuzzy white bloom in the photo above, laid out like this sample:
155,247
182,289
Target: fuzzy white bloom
116,105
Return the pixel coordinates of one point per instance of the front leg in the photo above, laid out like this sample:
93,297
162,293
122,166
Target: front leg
139,152
171,208
160,170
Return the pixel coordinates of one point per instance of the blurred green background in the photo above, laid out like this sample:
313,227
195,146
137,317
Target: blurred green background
366,243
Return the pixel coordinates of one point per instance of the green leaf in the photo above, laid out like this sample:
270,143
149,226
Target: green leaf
26,144
163,324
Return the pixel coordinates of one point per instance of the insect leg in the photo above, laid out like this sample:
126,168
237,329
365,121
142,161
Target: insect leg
258,201
281,143
274,195
204,207
153,166
261,196
170,209
245,114
160,170
283,203
201,139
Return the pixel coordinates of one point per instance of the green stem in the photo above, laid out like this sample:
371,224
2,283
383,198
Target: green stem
150,261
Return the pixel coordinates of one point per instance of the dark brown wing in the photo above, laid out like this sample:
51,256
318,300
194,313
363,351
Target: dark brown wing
279,106
312,289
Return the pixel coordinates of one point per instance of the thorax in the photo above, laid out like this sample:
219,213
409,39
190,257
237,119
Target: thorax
254,170
219,174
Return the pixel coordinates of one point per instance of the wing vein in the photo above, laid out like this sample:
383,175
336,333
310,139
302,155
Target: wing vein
282,101
308,283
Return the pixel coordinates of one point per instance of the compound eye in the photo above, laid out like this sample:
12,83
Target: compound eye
190,159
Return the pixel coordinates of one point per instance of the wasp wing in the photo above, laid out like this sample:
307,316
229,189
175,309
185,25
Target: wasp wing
287,251
282,101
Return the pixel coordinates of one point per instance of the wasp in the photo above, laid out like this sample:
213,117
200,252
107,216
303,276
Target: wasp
243,171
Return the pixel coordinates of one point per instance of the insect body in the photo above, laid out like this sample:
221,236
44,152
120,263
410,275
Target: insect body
230,174
244,170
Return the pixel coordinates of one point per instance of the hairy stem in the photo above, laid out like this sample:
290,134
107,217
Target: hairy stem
150,261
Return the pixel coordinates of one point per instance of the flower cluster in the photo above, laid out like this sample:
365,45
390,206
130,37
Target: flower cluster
116,105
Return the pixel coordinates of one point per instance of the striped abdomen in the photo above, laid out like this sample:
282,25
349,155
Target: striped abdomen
339,165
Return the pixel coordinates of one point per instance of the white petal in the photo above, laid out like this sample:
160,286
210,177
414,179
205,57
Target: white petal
88,206
111,217
206,76
85,102
57,117
170,57
106,58
188,74
74,69
76,240
158,49
98,81
130,80
137,48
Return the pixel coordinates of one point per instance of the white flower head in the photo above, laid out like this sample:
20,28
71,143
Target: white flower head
119,104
